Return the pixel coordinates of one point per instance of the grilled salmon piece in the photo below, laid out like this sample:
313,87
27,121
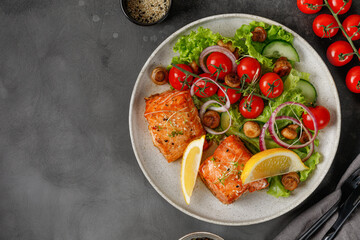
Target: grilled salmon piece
221,171
173,122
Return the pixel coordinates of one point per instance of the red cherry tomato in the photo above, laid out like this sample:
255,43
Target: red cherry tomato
271,85
353,79
351,25
249,66
233,95
205,88
336,53
336,5
177,77
325,26
322,117
221,61
251,106
306,7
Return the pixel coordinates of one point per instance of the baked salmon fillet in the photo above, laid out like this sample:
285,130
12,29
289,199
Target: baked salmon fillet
221,171
173,122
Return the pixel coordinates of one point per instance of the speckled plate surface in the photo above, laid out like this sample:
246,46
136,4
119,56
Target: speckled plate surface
251,208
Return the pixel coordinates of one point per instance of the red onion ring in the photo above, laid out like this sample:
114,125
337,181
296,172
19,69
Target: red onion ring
218,109
276,138
262,143
220,49
294,120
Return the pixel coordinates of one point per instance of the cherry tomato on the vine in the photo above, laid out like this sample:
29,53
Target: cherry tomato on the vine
339,53
353,79
325,26
219,62
204,88
251,106
249,66
271,85
351,25
322,117
177,77
310,6
233,95
336,5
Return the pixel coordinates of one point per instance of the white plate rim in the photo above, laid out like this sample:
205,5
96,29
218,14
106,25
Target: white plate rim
175,35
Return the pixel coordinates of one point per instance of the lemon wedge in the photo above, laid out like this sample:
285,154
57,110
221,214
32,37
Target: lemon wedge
272,162
190,166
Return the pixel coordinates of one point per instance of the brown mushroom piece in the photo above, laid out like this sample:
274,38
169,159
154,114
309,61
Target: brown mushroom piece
232,80
211,119
159,75
290,132
195,67
290,181
282,67
304,138
251,129
227,45
259,34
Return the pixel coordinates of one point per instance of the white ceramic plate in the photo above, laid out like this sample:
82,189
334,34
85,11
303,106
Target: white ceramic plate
165,177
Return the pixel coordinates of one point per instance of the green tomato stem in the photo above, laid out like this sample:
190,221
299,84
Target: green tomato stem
341,27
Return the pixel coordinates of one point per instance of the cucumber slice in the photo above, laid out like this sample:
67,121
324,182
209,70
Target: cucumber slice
308,90
224,123
279,48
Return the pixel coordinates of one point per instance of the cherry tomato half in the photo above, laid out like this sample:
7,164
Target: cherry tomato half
309,6
217,60
205,88
353,79
271,85
336,5
251,106
351,25
234,96
177,77
325,26
322,117
336,53
249,66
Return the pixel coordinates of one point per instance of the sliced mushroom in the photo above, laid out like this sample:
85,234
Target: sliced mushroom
227,45
211,119
282,67
195,67
232,80
159,75
289,132
290,181
251,129
259,34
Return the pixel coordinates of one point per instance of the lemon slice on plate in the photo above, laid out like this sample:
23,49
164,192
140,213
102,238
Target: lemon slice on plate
272,162
190,166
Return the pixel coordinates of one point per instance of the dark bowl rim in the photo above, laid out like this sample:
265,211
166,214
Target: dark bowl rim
124,10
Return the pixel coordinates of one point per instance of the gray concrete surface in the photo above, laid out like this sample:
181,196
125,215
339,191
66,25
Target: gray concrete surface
67,169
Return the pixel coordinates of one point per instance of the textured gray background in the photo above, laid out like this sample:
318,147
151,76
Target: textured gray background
67,169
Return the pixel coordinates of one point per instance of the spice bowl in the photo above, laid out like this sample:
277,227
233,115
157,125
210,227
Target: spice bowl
201,236
146,12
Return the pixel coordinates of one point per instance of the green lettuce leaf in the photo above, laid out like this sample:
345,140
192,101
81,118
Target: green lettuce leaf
276,188
311,163
190,46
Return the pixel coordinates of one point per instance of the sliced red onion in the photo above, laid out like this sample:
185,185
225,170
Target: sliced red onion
220,49
311,143
262,143
276,138
218,109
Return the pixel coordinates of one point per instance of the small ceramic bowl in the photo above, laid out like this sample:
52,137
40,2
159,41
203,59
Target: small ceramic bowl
200,235
124,8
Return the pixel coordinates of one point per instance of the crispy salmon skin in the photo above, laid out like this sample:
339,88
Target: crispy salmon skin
173,122
221,171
